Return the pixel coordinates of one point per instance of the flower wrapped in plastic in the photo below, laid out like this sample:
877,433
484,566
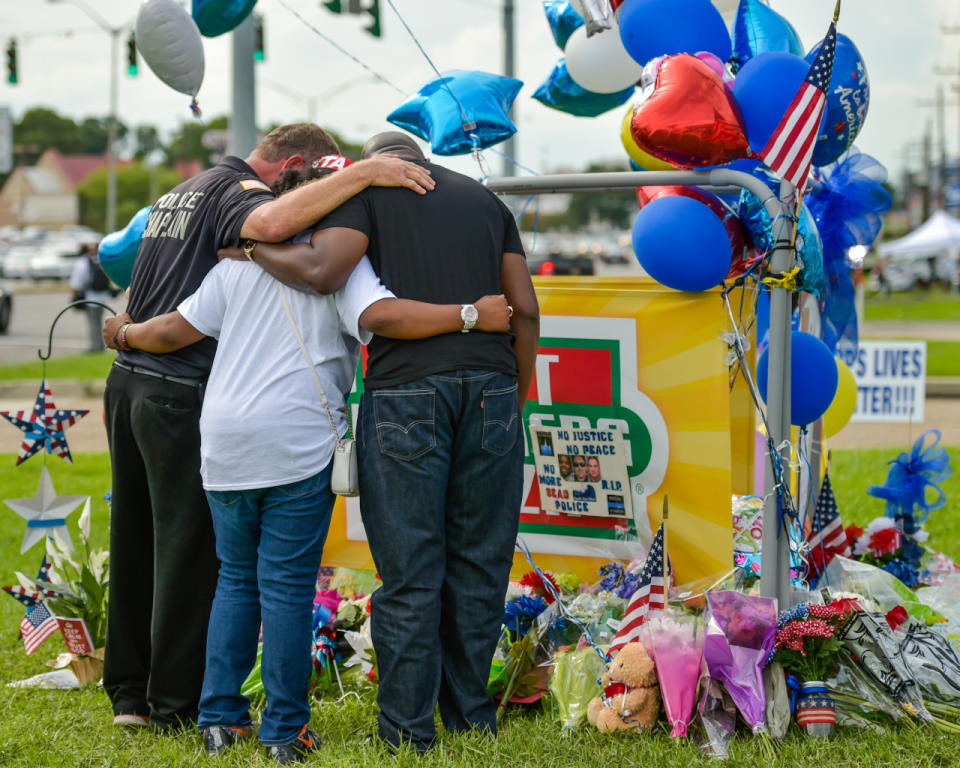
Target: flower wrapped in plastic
882,590
574,682
718,717
860,699
869,639
675,643
933,662
739,637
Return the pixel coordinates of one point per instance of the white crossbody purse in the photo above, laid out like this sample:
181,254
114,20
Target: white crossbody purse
344,478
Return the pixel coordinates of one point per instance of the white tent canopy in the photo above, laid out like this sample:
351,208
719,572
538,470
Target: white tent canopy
938,234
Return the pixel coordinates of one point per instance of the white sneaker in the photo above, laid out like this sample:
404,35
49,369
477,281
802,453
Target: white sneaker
131,720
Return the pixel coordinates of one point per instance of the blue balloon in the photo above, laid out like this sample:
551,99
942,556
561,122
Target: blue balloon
760,29
214,17
118,250
435,115
764,89
813,377
559,91
754,216
563,19
651,28
847,101
681,243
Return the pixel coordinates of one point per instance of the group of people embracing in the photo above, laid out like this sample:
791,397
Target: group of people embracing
255,285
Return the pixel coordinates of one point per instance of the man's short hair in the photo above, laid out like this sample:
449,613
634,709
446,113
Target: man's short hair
305,139
394,143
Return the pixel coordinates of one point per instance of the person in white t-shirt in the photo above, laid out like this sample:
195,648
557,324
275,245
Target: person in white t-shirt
266,449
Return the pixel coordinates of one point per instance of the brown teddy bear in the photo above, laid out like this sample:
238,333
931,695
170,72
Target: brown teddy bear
631,698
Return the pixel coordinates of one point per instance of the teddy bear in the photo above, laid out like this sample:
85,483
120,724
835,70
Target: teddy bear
631,698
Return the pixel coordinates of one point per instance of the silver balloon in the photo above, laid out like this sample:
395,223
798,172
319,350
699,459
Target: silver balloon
170,43
596,14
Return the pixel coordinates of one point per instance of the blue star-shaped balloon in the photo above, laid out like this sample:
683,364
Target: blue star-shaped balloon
460,111
44,426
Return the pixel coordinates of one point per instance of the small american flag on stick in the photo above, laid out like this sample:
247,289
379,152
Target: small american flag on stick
648,597
789,152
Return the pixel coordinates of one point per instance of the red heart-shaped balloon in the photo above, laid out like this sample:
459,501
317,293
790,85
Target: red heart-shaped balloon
690,119
742,254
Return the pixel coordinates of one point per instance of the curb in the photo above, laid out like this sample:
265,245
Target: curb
15,390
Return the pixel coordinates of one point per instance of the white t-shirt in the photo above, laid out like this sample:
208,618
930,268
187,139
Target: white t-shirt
262,423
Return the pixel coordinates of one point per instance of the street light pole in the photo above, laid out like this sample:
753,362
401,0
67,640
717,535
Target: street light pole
114,32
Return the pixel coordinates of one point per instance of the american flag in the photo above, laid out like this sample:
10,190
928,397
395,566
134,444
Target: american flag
648,597
44,426
827,537
789,151
37,626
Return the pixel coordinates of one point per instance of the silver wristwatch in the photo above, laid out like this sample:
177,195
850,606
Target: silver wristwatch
469,315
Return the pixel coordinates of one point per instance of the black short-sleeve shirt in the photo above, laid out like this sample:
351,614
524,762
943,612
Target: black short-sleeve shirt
444,247
179,246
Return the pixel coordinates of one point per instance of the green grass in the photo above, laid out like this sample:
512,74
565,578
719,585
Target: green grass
89,367
943,358
934,304
72,728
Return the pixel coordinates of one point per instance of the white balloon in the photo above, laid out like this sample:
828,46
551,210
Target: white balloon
727,8
600,63
170,43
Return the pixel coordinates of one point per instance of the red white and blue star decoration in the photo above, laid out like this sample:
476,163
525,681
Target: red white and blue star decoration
30,597
45,513
44,426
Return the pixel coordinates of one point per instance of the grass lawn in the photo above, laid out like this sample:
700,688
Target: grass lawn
87,367
934,304
72,728
943,358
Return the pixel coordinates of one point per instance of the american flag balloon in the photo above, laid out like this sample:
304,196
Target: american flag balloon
44,426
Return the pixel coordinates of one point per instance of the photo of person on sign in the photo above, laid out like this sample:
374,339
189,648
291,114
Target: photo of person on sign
593,469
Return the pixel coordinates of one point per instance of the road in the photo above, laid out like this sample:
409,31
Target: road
30,326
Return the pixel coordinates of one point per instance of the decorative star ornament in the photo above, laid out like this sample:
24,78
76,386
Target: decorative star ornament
30,597
45,513
44,426
460,111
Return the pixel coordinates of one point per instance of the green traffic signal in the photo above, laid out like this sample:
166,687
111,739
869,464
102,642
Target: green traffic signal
12,78
258,51
132,68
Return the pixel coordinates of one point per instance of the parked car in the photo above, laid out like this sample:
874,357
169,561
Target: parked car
54,260
6,306
16,264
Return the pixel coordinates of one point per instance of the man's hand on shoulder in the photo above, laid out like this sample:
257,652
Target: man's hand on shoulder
494,314
391,171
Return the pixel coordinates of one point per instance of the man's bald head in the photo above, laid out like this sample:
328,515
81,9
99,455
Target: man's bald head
393,143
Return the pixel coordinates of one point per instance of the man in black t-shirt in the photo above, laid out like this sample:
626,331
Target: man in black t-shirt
163,566
440,436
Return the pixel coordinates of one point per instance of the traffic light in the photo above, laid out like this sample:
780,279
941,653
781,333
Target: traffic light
258,54
374,10
12,62
132,55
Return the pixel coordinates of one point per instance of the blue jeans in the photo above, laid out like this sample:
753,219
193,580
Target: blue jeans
441,475
269,541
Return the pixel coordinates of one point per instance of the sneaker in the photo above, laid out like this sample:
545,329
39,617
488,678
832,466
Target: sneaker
217,738
131,720
296,750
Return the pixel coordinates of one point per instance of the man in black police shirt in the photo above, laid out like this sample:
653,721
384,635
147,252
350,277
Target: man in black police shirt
440,436
163,566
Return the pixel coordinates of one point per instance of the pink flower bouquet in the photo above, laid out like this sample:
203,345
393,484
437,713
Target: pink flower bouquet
676,645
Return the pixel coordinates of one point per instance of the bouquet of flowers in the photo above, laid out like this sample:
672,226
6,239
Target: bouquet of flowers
676,646
806,642
739,637
574,682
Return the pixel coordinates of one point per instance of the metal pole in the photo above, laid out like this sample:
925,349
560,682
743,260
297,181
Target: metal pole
775,572
510,145
243,122
112,135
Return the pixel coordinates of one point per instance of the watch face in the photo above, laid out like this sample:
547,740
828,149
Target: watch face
470,314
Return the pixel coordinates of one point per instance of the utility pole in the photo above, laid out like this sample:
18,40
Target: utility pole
510,145
952,72
243,121
927,171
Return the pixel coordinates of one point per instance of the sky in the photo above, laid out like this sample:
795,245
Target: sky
64,64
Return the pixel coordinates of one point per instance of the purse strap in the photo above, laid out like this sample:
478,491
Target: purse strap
310,365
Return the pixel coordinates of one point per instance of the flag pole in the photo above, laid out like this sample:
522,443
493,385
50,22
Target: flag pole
666,559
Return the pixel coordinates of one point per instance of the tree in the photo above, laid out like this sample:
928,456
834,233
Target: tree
187,142
617,208
40,129
146,141
133,192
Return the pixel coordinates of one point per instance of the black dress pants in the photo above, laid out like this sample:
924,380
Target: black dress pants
163,564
